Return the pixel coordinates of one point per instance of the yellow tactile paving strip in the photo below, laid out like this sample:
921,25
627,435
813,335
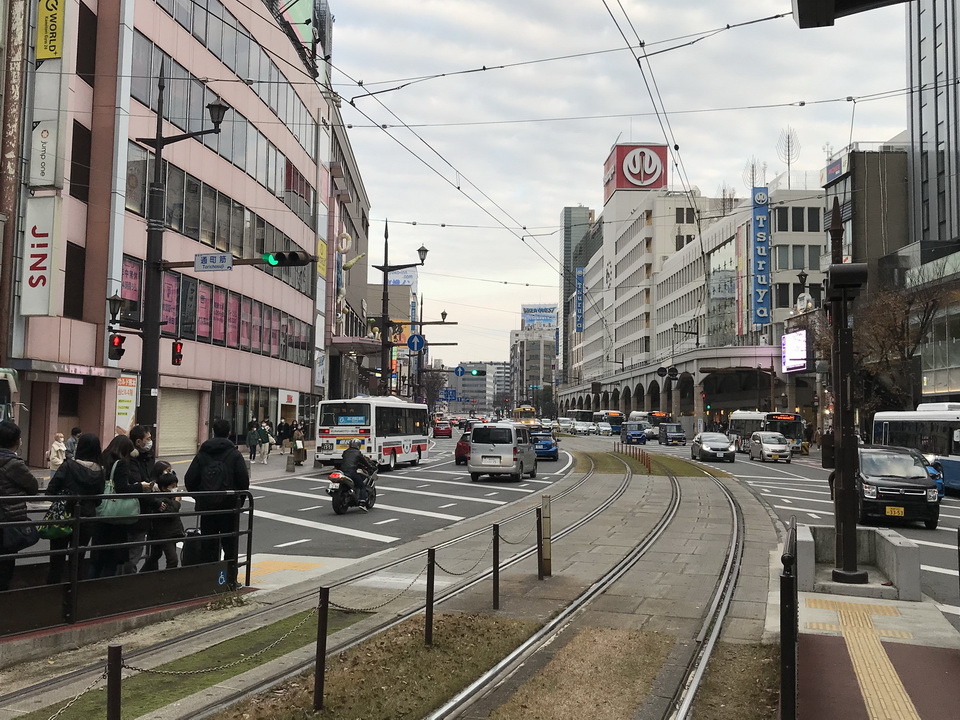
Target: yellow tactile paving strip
883,694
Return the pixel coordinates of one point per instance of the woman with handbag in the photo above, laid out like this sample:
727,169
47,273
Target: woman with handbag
114,514
15,479
80,475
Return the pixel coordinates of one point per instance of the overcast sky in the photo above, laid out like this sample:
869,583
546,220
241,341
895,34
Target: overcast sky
490,152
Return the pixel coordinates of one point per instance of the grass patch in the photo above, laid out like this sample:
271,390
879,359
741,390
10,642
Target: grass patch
605,463
395,676
742,682
146,692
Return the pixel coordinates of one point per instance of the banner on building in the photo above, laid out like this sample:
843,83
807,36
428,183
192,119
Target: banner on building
50,29
41,238
632,166
538,316
126,411
578,302
47,119
760,292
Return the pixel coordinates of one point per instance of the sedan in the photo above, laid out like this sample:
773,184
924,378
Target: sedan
708,445
604,428
581,428
545,445
462,452
442,429
769,446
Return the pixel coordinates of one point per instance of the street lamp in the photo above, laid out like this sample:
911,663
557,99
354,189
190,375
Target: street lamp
153,266
385,343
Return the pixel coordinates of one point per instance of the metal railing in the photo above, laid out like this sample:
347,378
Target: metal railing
789,624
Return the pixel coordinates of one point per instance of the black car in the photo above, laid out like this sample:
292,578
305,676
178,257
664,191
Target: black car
893,482
672,434
707,445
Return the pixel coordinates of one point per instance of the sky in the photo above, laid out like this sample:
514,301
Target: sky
474,123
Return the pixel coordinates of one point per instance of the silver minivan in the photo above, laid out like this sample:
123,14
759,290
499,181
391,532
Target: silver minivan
501,449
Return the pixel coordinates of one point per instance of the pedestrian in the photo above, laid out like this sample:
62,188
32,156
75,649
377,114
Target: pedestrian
108,561
284,433
299,449
271,436
167,527
263,440
71,443
818,437
80,475
57,453
15,479
142,461
253,440
219,466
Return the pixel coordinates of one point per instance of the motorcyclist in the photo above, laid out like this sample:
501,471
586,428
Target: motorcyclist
352,462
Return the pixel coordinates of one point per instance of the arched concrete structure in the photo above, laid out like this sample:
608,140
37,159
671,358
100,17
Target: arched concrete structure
625,404
683,399
653,395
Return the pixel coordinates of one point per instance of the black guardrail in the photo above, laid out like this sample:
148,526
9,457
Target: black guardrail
41,596
789,624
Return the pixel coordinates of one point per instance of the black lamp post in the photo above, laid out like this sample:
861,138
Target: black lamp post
385,343
153,267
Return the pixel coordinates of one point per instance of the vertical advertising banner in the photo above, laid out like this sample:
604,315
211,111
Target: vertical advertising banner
40,239
126,402
760,292
578,302
49,86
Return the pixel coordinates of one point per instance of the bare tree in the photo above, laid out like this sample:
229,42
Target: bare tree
433,382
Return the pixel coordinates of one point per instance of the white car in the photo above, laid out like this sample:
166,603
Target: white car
566,424
604,428
581,428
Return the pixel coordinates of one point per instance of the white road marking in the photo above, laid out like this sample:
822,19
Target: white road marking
796,509
312,507
384,522
295,542
507,488
491,494
939,570
447,505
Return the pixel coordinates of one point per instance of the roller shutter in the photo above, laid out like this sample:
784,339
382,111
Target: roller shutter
179,420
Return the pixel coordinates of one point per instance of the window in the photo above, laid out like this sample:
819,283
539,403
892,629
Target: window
182,12
781,295
223,222
219,329
679,242
813,219
236,228
136,196
814,252
141,73
679,214
175,189
780,219
169,304
245,316
87,50
204,311
191,208
233,320
130,288
783,256
73,281
797,214
208,215
256,323
80,163
799,256
690,216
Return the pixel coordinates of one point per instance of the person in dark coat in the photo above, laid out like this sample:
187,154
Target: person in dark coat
15,479
233,476
107,562
253,440
142,460
71,443
81,475
284,433
168,526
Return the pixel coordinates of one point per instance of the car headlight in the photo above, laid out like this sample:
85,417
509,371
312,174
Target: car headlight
932,494
733,447
870,492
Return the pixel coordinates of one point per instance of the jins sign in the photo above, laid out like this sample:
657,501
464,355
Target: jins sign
635,167
39,250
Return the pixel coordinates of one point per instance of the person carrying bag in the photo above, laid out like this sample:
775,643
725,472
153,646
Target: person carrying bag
114,520
124,511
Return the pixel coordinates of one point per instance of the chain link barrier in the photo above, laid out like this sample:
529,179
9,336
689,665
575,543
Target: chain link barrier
246,658
521,540
347,608
469,569
91,686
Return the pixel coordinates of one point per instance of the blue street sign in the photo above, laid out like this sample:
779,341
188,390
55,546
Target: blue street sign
416,342
460,371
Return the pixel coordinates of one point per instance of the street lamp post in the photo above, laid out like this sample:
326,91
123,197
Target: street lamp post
153,266
385,343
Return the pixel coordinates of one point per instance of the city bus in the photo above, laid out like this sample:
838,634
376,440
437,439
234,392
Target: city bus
392,430
614,417
933,429
654,417
580,415
743,423
526,414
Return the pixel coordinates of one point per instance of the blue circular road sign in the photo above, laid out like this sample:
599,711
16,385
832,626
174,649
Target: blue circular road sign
460,371
416,342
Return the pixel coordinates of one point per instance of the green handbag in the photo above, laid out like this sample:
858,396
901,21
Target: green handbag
122,511
56,521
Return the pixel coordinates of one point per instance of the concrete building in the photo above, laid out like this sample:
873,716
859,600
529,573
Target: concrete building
475,389
259,185
576,222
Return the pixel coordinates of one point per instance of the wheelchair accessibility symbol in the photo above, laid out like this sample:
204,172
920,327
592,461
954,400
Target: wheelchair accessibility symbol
222,578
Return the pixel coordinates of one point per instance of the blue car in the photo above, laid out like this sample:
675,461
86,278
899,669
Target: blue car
634,432
545,445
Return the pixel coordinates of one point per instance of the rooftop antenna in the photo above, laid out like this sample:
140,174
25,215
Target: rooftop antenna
788,149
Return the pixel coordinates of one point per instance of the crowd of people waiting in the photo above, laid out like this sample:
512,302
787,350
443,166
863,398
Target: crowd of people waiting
82,469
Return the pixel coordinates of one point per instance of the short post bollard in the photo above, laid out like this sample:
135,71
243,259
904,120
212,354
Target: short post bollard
539,544
114,667
496,566
428,616
291,463
547,536
320,664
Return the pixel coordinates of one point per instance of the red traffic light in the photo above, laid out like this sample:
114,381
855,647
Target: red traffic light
115,350
177,358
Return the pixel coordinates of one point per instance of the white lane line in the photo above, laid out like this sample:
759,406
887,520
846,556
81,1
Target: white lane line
790,499
929,543
295,542
384,522
424,485
259,497
442,507
405,511
796,509
449,497
939,570
513,488
491,494
312,507
952,609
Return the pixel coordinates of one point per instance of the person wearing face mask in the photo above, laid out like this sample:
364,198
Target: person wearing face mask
15,479
142,461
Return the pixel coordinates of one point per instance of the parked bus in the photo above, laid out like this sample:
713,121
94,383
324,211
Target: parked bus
392,430
743,423
654,417
526,414
614,417
933,429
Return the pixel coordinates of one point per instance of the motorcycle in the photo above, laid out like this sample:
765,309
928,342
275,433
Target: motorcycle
343,491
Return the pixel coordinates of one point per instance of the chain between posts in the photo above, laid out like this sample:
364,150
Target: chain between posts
522,539
246,658
88,688
469,569
347,608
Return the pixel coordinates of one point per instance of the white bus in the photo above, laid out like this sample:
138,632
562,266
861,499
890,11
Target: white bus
933,429
392,430
744,423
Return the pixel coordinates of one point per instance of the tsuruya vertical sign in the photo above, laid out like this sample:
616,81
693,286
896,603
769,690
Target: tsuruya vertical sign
760,266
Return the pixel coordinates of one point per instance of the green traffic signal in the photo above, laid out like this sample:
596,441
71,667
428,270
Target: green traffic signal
286,258
474,372
270,259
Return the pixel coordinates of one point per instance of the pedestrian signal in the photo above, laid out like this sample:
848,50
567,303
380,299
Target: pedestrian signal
177,358
115,350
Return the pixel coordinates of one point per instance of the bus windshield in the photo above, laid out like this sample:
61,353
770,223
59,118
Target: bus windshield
792,429
345,414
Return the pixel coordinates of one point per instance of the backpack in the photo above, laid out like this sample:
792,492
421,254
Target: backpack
214,476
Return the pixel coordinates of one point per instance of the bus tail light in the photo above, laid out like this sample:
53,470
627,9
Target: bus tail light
323,431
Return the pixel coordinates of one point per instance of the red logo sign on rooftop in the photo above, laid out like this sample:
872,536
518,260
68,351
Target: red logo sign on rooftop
635,166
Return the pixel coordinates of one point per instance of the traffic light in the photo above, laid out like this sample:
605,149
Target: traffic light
287,259
177,358
116,351
478,372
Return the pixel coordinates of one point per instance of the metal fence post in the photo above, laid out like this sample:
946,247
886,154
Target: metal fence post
320,665
539,544
428,618
547,536
789,629
114,666
496,566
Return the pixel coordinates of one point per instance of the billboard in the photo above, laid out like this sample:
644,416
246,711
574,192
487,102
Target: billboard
760,300
41,248
795,352
635,167
538,316
578,302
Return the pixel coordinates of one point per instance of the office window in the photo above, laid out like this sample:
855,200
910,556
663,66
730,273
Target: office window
223,223
233,320
182,12
781,294
799,256
141,78
814,252
256,323
797,218
130,283
199,23
208,215
191,208
219,329
679,242
783,256
80,163
175,190
76,258
813,219
679,214
780,219
204,311
690,216
236,228
197,115
87,50
136,195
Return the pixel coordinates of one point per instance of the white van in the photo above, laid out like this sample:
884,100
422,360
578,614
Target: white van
502,448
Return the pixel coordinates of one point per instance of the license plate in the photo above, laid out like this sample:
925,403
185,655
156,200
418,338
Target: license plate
327,447
774,457
490,460
894,510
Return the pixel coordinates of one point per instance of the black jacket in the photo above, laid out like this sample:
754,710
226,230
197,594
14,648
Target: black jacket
15,479
237,477
352,459
78,477
168,526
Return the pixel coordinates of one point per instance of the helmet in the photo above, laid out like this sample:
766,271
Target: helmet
355,443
